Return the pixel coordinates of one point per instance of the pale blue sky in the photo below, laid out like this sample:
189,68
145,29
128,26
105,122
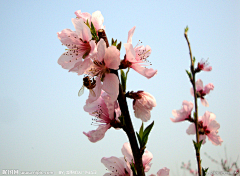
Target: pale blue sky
41,116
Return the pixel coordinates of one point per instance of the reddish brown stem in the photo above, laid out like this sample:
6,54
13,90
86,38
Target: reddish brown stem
102,34
196,106
128,128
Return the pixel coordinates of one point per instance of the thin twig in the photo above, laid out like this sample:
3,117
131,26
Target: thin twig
196,106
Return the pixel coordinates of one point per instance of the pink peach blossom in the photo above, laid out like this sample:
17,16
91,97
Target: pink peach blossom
136,57
201,92
143,105
162,172
103,109
106,59
146,158
96,18
184,113
204,65
208,126
79,45
116,166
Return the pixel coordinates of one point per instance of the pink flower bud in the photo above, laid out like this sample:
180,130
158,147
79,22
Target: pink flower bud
143,105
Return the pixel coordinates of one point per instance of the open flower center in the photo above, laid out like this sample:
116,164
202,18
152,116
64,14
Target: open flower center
99,69
203,129
81,50
100,117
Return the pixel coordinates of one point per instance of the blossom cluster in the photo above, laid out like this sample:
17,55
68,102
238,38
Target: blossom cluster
207,125
88,53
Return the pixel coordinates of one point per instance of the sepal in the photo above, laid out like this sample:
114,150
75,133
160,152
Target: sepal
114,43
119,46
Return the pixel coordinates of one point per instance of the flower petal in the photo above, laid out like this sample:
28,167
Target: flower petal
209,68
68,59
97,20
141,112
163,172
81,66
98,134
117,166
184,113
82,29
191,91
101,49
214,138
127,152
208,87
146,159
210,122
85,16
111,85
191,129
199,85
68,38
202,138
94,106
130,53
204,102
112,58
147,72
130,34
110,105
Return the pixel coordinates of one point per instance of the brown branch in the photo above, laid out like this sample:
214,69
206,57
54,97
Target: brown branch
102,34
130,132
196,106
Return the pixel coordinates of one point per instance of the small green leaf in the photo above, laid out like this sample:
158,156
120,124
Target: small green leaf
133,168
194,115
146,133
200,144
204,171
141,131
114,42
189,74
197,145
139,139
194,59
148,129
119,46
186,29
121,118
123,80
87,23
93,32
